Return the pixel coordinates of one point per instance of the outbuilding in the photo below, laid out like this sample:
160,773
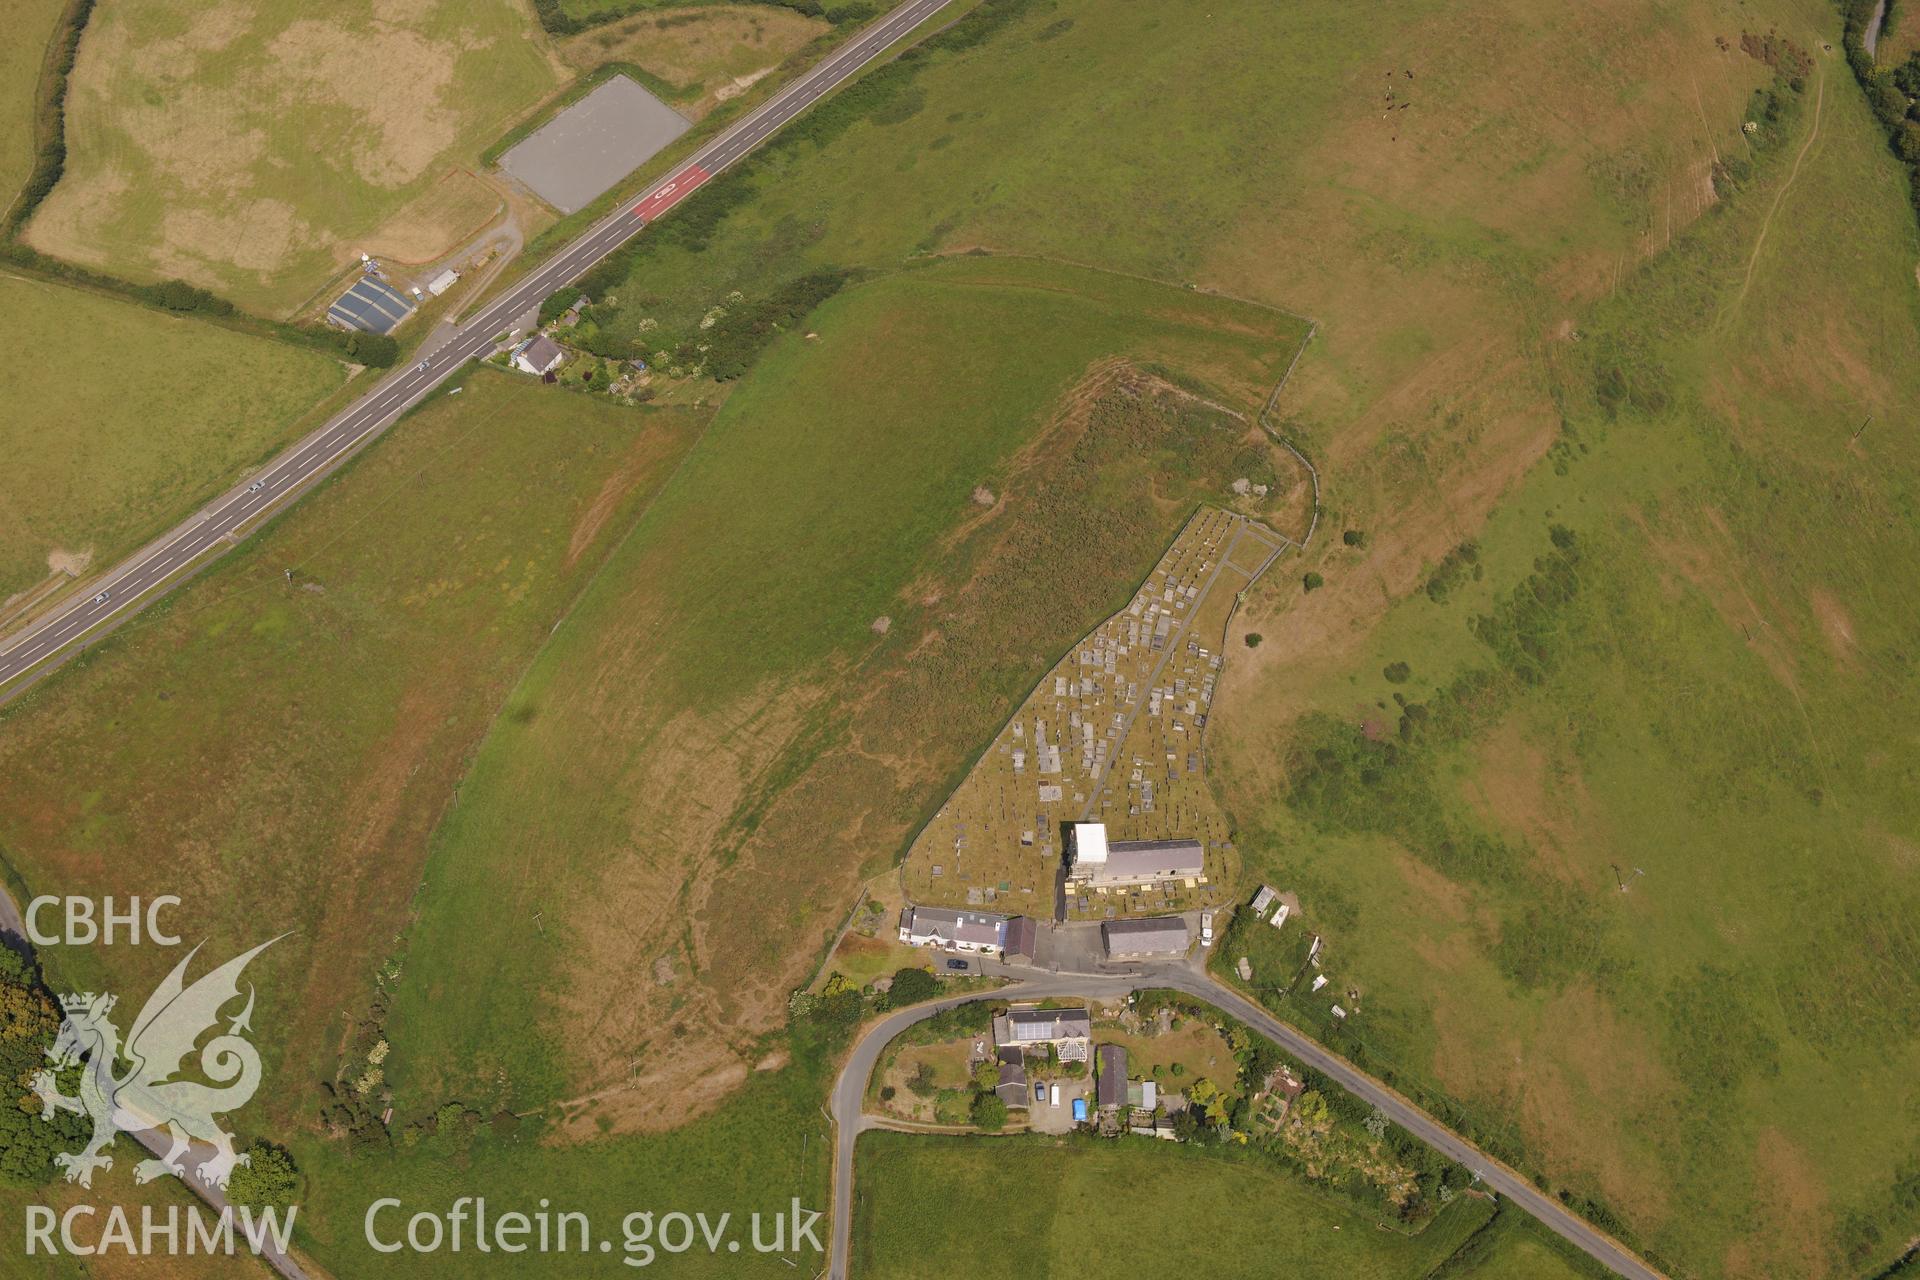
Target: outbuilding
1158,937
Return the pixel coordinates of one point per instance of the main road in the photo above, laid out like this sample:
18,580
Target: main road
849,1099
149,572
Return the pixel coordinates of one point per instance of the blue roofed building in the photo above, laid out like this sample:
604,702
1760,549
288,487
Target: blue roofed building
371,306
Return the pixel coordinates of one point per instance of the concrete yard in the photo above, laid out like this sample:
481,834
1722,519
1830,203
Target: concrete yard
581,153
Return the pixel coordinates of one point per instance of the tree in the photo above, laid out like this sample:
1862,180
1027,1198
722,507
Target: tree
1205,1095
29,1023
986,1074
1354,538
911,986
1397,672
989,1112
1312,582
1253,639
921,1081
268,1179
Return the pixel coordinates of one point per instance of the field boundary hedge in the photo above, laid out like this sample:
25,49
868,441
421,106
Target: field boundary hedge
174,296
1887,89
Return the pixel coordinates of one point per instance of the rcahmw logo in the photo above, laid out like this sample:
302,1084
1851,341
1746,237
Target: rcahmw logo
137,1085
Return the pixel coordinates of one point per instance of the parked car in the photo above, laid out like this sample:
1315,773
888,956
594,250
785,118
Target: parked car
1079,1110
958,966
1056,1095
1206,928
1039,1091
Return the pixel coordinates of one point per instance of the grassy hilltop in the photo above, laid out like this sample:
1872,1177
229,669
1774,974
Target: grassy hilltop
573,763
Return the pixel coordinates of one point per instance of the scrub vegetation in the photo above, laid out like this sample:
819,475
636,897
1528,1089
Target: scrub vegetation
1623,868
350,657
913,504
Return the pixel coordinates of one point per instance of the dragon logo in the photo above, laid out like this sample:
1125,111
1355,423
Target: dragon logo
146,1095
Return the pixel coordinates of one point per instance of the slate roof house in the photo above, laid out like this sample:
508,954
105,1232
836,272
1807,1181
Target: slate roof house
538,355
1023,933
1012,1088
953,929
1042,1026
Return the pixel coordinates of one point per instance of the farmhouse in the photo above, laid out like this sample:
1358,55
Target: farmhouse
952,929
1067,1030
538,355
1157,937
1100,864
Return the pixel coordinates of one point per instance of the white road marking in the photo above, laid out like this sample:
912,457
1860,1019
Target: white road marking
334,441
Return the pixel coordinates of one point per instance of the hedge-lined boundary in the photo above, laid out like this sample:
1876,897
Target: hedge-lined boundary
1891,92
50,116
556,21
174,296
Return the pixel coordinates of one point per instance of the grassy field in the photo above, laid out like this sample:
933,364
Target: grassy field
121,418
1675,660
708,53
798,649
1127,1207
280,747
893,526
31,22
601,12
254,148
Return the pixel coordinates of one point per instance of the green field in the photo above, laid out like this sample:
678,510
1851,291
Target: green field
121,418
1539,307
1677,660
31,22
592,13
254,147
346,700
894,525
1128,1207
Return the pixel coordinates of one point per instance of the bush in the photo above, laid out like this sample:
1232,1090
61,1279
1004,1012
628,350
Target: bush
911,986
555,304
1253,639
1312,581
1354,538
989,1112
921,1083
737,338
1396,672
269,1179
